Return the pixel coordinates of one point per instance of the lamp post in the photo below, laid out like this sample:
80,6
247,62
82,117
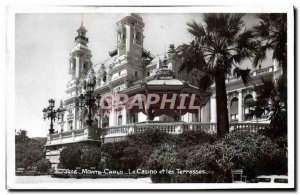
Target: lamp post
52,114
88,100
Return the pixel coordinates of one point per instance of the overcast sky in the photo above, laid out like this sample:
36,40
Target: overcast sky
43,44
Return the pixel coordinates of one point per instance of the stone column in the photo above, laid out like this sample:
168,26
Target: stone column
228,107
202,112
124,116
128,38
241,106
100,114
213,108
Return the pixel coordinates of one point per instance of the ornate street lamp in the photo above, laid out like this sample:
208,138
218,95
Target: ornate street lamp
52,114
88,100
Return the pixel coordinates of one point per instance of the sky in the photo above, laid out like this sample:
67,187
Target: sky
43,44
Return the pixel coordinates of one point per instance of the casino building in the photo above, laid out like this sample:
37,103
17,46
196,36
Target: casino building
131,69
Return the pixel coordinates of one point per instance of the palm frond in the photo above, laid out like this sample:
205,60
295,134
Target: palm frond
205,82
260,53
244,74
195,29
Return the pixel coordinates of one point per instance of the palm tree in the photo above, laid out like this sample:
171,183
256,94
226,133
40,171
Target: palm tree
270,100
22,135
272,34
218,44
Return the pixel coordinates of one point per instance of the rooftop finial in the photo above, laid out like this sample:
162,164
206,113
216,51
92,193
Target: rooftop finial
81,29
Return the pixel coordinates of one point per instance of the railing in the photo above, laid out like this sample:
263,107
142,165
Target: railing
261,71
119,130
207,127
165,127
168,127
57,137
252,127
179,127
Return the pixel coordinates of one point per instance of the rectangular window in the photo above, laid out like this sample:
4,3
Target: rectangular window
136,73
135,118
120,120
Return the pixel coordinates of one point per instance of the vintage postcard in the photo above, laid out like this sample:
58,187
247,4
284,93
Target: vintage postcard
150,97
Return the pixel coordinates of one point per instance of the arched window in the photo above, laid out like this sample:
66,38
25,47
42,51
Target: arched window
119,37
234,109
104,77
247,103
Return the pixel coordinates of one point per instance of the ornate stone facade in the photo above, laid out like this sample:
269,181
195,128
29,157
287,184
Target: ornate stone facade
131,69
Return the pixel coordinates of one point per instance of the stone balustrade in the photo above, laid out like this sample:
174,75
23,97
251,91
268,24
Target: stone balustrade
179,127
114,132
83,134
252,127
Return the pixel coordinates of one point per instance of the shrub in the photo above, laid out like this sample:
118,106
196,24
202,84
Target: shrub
255,153
141,145
70,156
164,157
90,157
211,158
42,166
112,155
273,158
192,138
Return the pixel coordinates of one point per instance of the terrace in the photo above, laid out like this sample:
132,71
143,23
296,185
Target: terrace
116,133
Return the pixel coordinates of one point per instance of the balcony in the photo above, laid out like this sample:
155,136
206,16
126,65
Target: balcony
78,135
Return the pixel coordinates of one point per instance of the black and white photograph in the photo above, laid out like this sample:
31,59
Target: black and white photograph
150,97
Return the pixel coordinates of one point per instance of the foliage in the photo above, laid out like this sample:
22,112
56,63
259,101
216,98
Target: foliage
164,157
91,156
218,44
141,145
28,151
271,33
70,156
213,159
112,155
271,99
42,166
255,154
191,138
273,158
21,136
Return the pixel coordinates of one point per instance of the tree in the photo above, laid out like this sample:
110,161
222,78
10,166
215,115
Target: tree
272,34
21,135
29,152
217,45
271,99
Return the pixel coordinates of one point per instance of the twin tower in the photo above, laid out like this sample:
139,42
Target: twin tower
129,42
